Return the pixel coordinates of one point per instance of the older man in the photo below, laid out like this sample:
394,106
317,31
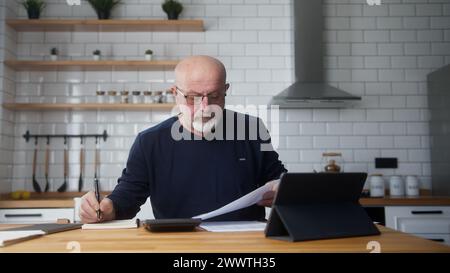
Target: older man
188,164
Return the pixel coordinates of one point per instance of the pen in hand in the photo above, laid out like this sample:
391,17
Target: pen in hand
97,196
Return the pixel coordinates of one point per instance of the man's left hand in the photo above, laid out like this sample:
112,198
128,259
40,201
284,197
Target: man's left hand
268,197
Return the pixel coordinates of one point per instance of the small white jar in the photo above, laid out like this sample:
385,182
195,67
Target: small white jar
396,186
101,95
148,97
112,97
412,185
169,97
377,186
136,97
157,96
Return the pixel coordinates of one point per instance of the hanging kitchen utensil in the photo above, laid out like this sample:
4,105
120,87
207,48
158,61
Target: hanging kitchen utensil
47,159
96,161
80,180
66,167
36,186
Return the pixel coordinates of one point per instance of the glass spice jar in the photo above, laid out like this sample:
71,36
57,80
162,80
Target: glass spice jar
136,97
332,162
112,96
124,96
148,97
157,96
169,97
100,96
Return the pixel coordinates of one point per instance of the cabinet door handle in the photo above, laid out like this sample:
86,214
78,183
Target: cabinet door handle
23,215
427,212
437,240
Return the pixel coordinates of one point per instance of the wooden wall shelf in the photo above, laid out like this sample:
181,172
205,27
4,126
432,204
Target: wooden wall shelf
86,106
89,65
113,25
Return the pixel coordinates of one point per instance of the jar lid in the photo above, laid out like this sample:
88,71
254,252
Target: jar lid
376,174
136,93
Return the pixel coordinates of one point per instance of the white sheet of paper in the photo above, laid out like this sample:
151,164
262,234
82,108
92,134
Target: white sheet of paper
8,237
117,224
233,226
243,202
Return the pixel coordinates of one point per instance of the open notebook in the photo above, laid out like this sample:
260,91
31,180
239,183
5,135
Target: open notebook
11,237
117,224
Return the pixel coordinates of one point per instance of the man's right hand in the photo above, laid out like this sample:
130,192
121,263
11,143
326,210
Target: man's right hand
89,207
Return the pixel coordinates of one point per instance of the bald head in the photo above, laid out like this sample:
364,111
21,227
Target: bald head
200,70
204,79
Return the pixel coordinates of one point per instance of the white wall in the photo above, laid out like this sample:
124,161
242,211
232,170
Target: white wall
381,53
252,38
7,88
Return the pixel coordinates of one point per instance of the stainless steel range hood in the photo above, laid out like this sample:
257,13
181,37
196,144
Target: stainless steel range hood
309,90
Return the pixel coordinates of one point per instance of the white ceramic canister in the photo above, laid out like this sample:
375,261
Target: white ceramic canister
377,185
412,185
396,186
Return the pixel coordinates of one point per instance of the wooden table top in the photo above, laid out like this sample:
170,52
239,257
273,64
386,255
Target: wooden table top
140,240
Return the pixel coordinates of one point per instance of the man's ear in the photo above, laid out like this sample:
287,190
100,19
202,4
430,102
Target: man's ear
227,86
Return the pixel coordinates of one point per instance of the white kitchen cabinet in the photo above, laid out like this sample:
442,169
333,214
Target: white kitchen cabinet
35,216
441,238
431,222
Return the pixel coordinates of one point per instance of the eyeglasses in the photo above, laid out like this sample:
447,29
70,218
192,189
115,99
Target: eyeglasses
213,98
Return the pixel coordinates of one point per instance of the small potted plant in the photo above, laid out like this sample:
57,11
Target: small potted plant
103,8
54,54
96,54
172,8
34,8
148,55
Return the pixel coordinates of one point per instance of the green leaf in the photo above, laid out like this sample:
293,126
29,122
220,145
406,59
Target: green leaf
33,5
172,6
104,5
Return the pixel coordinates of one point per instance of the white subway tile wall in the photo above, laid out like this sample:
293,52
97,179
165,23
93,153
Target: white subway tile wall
7,90
389,49
382,53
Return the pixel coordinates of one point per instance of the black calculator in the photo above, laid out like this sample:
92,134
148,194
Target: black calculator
172,225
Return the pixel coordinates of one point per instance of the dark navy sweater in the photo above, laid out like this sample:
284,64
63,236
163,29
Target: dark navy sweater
185,178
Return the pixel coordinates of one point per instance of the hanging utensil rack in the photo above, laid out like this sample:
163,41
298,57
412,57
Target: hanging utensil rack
29,136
